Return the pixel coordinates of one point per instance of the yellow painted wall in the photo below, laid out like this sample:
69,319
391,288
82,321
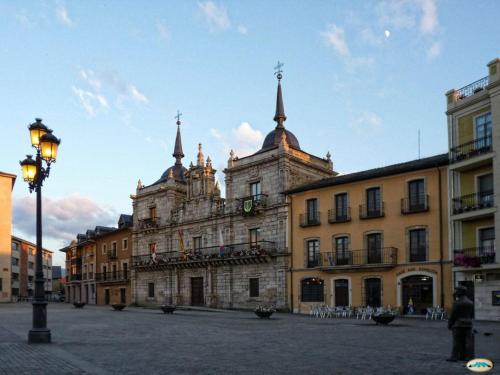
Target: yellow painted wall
6,185
466,126
469,230
468,179
394,227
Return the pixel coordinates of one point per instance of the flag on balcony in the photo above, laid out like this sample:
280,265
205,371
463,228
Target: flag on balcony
152,250
221,243
181,240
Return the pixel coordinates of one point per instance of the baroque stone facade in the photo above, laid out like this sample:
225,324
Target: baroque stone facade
194,247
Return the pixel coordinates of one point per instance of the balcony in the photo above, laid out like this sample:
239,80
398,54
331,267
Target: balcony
112,254
473,202
474,256
77,277
471,149
473,88
366,212
76,262
412,205
149,223
310,219
339,216
117,276
240,253
251,205
383,257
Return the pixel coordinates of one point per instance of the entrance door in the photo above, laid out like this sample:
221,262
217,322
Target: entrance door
418,290
470,290
373,291
197,298
342,292
123,298
106,297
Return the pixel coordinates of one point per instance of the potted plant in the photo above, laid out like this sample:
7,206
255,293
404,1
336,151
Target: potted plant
264,312
383,317
168,309
78,305
118,306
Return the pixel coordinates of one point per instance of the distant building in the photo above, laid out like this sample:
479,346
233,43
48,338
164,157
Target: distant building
58,280
24,267
6,185
474,140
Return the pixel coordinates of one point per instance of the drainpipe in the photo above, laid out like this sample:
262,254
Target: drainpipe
441,236
290,242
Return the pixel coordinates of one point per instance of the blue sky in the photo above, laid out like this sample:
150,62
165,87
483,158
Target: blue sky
360,79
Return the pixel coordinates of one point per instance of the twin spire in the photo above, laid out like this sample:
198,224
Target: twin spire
178,154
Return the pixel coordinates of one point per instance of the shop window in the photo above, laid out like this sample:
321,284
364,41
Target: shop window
312,290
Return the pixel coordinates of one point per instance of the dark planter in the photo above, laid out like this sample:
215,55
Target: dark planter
264,314
168,309
118,306
79,305
383,318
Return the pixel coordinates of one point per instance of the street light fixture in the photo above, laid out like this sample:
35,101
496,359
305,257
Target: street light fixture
34,173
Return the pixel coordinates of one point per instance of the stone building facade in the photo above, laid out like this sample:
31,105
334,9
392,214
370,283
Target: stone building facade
194,247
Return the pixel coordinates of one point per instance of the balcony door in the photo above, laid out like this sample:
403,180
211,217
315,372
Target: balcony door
374,248
341,207
486,240
483,130
312,210
373,203
416,192
485,190
342,251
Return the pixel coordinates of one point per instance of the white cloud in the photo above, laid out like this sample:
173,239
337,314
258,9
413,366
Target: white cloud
215,133
334,36
89,77
63,218
63,16
367,120
136,95
242,29
398,14
429,21
244,140
25,20
434,51
216,16
369,37
163,30
91,102
245,134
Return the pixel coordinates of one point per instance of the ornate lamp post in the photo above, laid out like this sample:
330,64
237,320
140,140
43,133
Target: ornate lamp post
34,173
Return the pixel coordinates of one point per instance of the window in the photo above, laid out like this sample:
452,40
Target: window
312,290
1,284
485,190
31,251
255,190
31,265
104,249
418,245
125,244
342,250
486,239
312,211
254,235
15,261
253,286
125,271
104,273
373,206
114,271
152,213
14,246
416,194
196,243
151,290
341,207
483,130
374,247
312,253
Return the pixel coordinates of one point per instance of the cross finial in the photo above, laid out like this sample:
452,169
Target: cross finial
178,117
278,70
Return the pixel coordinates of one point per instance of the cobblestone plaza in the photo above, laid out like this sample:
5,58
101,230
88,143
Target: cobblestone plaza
98,340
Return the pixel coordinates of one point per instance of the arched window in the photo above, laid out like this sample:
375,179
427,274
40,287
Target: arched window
312,290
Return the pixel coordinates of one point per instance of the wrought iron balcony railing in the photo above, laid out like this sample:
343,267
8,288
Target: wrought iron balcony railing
474,256
112,276
112,254
366,212
213,254
251,204
75,277
473,88
414,205
310,219
339,216
473,202
386,256
149,223
471,149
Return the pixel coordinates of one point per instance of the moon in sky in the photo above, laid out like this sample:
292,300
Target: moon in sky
387,33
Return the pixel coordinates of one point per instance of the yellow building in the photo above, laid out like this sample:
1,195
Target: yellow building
474,174
6,185
372,238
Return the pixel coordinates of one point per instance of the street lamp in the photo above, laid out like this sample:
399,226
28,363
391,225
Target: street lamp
34,173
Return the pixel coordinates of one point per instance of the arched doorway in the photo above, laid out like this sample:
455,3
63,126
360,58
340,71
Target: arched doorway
341,290
373,292
419,290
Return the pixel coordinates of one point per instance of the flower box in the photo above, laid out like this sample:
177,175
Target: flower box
118,306
79,305
168,309
264,312
383,318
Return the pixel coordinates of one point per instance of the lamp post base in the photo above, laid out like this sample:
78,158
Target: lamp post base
39,336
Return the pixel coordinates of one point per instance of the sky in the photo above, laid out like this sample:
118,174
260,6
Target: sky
360,79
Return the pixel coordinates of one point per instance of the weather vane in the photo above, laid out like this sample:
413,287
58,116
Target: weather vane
278,71
178,117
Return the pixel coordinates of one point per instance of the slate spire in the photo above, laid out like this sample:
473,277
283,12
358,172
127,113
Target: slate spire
178,154
279,117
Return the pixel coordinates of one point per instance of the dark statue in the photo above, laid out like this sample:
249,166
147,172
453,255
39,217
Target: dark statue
460,323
